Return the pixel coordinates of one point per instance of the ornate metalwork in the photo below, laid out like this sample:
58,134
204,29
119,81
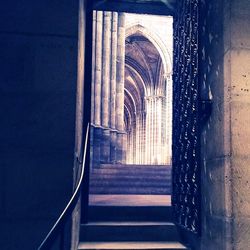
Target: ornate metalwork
186,172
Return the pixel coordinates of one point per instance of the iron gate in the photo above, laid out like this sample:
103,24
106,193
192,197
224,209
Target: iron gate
186,173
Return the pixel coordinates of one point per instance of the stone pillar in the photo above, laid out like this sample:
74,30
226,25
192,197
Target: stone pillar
113,71
105,142
120,87
97,89
168,109
144,136
147,154
106,69
113,87
93,68
98,68
93,87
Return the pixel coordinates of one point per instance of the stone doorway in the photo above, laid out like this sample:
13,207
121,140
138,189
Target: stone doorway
131,95
131,109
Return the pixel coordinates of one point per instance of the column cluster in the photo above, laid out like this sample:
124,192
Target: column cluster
136,139
150,131
108,61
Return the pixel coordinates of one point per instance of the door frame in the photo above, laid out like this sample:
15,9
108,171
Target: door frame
128,6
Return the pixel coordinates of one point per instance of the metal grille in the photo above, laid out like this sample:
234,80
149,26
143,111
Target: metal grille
186,172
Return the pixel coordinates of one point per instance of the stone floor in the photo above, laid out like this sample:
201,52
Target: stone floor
129,200
131,245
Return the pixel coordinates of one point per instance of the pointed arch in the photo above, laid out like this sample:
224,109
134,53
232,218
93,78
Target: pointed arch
155,40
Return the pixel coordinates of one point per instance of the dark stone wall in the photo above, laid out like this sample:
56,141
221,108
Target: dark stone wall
215,140
38,80
82,116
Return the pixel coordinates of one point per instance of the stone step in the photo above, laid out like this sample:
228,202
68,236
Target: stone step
128,231
130,213
131,171
133,166
124,171
121,182
129,190
131,175
130,179
131,245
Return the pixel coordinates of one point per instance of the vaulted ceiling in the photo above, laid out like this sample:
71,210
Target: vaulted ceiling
143,72
142,55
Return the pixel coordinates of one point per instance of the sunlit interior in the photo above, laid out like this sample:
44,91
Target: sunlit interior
132,88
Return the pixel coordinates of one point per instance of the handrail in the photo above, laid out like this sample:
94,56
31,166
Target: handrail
61,221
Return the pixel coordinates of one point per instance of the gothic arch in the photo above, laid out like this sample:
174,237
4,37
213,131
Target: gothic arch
147,63
155,40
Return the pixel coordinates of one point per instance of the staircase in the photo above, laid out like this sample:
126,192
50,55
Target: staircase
123,221
126,227
131,179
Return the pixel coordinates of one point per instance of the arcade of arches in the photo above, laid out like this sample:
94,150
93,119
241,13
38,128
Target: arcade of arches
131,89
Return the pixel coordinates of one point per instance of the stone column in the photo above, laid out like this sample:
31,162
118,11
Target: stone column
120,87
147,142
106,69
93,68
97,89
105,142
93,88
168,107
113,87
98,68
144,136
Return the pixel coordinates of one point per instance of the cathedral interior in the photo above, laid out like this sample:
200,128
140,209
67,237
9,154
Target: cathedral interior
134,99
88,87
131,105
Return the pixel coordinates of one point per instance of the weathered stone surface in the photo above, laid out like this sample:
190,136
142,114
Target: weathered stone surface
226,179
105,146
241,186
216,181
240,8
241,233
240,75
217,233
240,128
